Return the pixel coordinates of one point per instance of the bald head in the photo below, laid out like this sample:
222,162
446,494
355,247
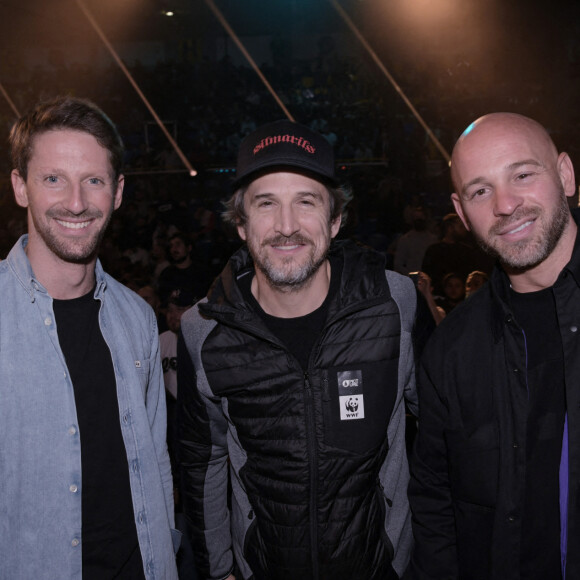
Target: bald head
511,188
500,128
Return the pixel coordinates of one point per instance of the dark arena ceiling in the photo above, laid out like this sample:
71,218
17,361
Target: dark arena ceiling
453,59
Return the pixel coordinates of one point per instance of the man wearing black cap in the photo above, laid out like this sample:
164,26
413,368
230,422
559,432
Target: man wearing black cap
295,368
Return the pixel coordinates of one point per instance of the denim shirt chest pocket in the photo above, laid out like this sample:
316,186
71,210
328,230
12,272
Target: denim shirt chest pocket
130,356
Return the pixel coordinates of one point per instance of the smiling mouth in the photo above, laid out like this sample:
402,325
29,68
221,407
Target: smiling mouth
287,248
74,225
520,228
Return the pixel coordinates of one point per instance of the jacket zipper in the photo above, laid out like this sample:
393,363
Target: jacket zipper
313,470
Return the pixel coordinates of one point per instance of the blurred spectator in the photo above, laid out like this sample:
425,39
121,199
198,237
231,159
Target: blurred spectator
411,247
475,281
184,272
150,296
180,300
451,254
453,292
425,287
158,258
429,315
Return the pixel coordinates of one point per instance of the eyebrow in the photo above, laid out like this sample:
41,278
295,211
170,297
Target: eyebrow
267,195
510,167
315,194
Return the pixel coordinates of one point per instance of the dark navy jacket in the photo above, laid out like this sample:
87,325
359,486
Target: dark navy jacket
468,473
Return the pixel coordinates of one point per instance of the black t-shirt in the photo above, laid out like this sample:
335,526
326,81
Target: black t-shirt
196,278
536,314
110,548
299,334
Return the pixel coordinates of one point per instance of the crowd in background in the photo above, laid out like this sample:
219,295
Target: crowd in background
383,152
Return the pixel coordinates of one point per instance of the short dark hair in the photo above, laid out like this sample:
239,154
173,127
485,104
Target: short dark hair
448,222
450,276
60,113
181,236
235,212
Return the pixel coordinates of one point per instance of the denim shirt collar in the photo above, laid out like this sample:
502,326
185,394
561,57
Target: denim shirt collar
20,265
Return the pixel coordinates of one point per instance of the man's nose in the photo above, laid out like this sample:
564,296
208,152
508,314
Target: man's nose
506,200
76,200
287,222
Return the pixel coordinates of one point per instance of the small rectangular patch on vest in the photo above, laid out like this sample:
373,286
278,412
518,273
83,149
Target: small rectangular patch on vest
350,395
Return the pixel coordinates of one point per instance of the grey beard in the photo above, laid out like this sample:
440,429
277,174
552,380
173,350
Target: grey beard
296,280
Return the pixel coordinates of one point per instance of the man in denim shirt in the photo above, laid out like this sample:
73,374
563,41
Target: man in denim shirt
85,481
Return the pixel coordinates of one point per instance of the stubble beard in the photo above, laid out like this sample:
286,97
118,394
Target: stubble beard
289,276
78,251
179,260
526,254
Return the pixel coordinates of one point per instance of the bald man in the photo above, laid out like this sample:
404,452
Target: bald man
495,486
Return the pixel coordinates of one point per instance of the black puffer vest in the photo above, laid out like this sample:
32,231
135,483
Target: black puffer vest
314,441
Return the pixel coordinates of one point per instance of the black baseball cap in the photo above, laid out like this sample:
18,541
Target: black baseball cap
182,297
285,145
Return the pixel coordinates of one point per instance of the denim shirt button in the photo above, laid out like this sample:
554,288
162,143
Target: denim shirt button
48,321
73,488
72,430
141,518
135,466
75,542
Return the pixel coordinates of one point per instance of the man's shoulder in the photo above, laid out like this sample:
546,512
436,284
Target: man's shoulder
4,269
126,296
12,286
169,270
465,325
16,265
195,326
437,247
401,285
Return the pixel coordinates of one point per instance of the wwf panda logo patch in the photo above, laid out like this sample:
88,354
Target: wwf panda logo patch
350,395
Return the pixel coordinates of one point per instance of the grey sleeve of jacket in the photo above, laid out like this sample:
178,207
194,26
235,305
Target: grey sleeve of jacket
203,454
394,473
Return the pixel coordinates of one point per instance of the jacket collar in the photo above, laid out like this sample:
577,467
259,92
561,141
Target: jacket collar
573,266
362,279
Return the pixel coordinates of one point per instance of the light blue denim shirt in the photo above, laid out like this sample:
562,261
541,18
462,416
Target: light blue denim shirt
40,454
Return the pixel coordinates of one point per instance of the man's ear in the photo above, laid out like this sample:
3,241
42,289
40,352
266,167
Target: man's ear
459,210
118,195
241,231
20,189
566,173
335,226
